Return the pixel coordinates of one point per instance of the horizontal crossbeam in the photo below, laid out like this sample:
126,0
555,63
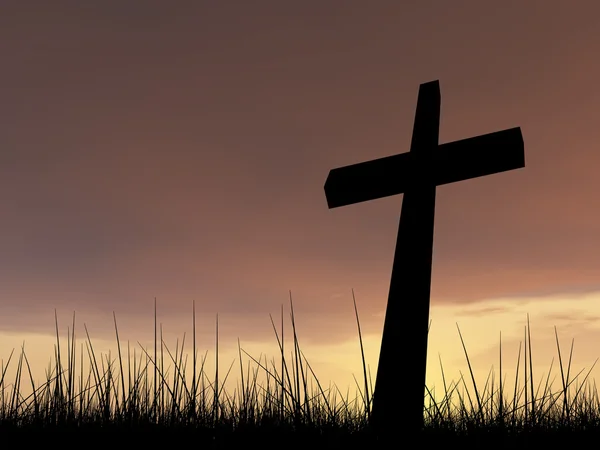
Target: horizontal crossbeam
454,161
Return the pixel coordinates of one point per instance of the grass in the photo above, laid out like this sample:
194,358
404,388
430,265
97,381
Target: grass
143,395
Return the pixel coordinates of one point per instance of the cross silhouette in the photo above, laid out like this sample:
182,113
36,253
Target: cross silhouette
398,399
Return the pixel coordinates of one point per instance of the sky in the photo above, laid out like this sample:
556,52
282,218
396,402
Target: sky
179,150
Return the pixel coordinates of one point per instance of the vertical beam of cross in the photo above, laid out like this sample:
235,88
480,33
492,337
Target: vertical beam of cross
403,356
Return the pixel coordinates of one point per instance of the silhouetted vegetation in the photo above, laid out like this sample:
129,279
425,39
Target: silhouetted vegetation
143,396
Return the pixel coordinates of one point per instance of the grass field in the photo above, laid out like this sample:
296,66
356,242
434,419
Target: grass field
143,396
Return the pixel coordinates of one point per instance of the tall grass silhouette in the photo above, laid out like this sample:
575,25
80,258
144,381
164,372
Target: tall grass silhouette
147,394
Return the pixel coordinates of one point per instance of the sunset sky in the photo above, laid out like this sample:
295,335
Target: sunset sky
179,150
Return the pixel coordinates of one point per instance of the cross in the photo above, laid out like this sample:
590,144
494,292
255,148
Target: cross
398,399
